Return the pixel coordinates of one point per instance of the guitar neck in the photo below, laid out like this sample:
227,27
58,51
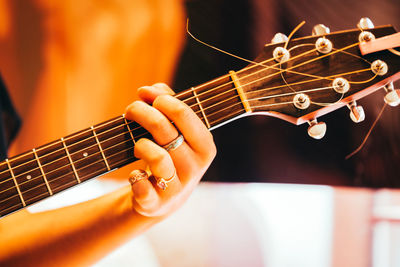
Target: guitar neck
35,175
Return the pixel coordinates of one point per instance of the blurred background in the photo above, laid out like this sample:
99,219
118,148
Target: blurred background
69,65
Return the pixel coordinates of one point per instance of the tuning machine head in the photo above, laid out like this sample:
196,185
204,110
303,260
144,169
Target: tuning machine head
320,29
392,95
357,113
316,129
365,23
279,38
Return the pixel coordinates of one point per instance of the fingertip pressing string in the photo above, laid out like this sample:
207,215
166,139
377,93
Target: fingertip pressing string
368,134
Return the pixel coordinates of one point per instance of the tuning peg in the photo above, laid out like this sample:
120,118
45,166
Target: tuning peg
279,38
365,23
357,113
392,96
320,29
316,129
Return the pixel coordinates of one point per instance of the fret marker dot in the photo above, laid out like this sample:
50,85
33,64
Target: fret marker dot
28,177
85,154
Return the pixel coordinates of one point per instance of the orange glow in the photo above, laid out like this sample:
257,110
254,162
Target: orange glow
83,63
4,19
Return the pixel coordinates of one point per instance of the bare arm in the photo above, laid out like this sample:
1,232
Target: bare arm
84,233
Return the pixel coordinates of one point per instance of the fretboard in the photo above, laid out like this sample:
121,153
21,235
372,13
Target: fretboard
42,172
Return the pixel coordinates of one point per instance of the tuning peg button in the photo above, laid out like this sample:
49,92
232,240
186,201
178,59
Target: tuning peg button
365,23
392,96
320,29
316,129
357,113
279,38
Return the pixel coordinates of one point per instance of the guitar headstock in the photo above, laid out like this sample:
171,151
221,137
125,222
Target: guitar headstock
305,78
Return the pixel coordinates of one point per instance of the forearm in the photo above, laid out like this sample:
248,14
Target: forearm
76,235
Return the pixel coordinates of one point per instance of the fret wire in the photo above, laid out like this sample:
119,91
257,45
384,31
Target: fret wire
101,149
201,107
41,170
121,151
123,142
70,160
57,143
129,129
83,150
15,182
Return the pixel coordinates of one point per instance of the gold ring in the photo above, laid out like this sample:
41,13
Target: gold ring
163,183
174,144
137,175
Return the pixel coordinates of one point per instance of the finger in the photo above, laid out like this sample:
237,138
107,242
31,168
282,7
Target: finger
149,93
160,164
153,121
188,123
145,197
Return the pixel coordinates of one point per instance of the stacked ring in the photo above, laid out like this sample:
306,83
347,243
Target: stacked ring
137,175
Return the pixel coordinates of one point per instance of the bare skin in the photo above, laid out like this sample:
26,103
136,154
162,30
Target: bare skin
82,234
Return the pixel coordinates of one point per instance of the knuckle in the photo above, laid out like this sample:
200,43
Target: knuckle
181,112
133,108
157,157
157,124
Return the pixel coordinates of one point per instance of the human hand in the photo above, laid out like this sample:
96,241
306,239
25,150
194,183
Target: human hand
183,167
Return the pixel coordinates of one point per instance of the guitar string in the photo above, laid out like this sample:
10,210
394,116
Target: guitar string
272,67
68,165
71,172
238,57
118,118
86,166
46,194
264,89
88,130
272,74
102,160
328,77
78,151
111,147
271,96
104,132
58,142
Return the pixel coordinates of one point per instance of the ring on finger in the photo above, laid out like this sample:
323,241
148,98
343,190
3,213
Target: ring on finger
174,144
137,175
163,183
